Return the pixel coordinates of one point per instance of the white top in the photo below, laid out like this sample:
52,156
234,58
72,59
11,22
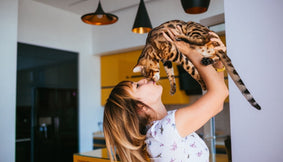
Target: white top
164,144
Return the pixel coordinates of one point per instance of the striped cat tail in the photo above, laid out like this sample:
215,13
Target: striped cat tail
237,80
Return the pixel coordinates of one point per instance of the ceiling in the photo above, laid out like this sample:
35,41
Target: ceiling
82,7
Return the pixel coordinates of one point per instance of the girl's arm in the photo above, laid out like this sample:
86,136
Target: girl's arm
191,118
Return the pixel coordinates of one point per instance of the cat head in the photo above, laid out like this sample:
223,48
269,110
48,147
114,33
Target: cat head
147,65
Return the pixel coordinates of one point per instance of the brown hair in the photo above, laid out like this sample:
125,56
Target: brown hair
123,125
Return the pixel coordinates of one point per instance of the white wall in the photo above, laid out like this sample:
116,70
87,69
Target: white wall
47,26
254,39
8,54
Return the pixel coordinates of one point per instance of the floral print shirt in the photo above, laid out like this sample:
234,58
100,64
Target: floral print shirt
164,144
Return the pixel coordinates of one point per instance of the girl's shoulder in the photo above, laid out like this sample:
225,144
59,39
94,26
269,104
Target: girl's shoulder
163,127
168,119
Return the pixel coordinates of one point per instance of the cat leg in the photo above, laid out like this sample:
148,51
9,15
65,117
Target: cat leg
170,74
190,68
196,76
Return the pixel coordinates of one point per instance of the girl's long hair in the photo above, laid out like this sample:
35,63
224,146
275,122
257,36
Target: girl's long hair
124,128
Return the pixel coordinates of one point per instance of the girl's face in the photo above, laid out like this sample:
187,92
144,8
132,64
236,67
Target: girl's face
147,91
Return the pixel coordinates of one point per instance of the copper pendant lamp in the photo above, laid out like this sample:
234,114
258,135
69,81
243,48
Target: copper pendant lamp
142,22
99,17
195,6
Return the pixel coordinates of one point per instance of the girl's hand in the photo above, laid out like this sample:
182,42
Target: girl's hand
185,47
215,38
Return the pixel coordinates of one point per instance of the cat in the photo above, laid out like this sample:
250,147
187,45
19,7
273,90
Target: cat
157,49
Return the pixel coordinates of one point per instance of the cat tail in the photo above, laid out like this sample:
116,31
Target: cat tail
237,80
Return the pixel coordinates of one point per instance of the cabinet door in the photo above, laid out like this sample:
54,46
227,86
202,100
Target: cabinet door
116,68
109,70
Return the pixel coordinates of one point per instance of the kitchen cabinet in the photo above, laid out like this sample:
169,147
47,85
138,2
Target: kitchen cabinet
118,67
97,155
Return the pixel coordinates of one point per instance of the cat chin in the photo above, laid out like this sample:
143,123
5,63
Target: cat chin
156,77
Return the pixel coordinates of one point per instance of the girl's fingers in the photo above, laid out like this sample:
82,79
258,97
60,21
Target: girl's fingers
171,35
175,32
214,34
220,48
167,37
221,45
223,48
218,64
179,29
218,41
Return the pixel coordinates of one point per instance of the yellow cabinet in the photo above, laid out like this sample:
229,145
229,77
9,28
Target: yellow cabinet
118,67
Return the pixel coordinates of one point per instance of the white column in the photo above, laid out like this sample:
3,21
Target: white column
8,65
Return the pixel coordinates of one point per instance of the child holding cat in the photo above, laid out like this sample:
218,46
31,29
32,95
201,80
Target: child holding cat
138,127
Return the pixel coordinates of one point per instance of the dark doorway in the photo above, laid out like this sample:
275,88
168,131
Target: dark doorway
47,104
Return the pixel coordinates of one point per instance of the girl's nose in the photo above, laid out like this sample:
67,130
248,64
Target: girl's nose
142,81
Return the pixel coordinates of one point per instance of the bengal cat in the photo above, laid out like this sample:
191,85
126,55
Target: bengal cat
157,49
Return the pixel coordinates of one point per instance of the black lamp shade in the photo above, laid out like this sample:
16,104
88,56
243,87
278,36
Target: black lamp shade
195,6
99,17
142,22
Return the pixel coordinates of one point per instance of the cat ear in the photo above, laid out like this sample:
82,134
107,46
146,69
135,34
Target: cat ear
137,69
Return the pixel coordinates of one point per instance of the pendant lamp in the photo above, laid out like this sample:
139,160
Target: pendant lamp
195,6
99,17
142,22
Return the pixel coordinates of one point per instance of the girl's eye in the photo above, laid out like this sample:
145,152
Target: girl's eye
138,85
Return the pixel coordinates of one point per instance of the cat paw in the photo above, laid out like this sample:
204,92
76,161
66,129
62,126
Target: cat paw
206,61
173,90
202,84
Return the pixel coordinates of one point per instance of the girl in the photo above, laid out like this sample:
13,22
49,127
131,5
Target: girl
136,122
